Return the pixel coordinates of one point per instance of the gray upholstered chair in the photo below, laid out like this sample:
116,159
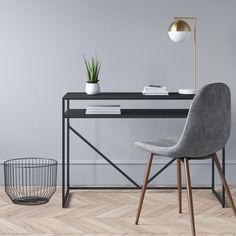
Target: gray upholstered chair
206,131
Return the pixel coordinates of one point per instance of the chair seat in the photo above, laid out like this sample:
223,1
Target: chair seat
161,146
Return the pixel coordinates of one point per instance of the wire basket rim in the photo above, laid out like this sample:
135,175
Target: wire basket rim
37,165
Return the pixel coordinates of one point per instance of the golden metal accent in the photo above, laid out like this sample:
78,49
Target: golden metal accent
179,26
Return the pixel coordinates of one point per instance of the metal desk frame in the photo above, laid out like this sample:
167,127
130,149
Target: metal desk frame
68,114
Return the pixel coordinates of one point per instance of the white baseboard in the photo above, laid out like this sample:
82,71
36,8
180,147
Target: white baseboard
99,172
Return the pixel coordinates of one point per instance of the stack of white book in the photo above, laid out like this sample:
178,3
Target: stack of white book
155,90
103,109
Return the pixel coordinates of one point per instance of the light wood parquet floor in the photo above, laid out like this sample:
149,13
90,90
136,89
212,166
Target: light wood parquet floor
105,213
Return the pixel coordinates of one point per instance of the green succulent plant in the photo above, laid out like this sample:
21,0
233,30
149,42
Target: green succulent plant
93,68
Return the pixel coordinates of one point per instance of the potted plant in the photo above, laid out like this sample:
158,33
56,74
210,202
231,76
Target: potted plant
93,68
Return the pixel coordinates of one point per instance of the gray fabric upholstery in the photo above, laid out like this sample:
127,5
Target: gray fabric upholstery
207,128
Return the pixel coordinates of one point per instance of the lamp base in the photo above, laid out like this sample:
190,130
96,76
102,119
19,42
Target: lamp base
187,91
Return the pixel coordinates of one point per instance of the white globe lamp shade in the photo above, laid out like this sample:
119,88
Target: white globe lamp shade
179,37
179,31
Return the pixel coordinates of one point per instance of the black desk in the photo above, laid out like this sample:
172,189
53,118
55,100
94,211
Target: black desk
68,114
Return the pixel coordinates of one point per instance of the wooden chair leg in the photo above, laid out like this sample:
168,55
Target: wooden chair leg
190,198
224,182
145,181
179,183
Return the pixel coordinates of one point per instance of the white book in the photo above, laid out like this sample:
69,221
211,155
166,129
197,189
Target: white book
103,107
91,112
155,93
155,89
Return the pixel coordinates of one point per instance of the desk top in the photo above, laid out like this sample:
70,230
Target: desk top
126,96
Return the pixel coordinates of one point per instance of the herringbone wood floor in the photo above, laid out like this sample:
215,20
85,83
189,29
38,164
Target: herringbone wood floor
113,213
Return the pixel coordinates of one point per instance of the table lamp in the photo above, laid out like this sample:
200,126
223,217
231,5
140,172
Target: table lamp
178,31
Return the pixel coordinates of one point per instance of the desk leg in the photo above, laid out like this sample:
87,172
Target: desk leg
220,198
223,169
212,175
63,153
68,148
65,192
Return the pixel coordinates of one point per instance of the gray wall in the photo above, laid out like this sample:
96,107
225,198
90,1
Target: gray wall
41,48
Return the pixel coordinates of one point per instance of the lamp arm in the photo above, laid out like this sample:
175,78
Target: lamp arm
184,18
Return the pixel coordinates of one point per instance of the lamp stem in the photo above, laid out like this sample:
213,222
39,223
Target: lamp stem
194,56
194,47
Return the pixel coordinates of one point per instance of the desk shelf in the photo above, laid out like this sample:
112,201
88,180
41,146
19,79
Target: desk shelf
131,113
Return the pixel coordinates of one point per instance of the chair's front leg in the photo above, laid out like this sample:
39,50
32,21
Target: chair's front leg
179,183
145,181
224,182
190,198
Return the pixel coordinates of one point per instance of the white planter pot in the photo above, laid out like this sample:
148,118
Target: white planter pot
92,88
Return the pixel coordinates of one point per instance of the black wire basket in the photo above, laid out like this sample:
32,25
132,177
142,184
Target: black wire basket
30,181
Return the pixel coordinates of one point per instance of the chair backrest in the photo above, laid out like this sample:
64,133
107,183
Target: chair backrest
208,124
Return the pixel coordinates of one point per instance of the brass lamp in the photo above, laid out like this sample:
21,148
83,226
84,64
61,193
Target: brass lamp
178,31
